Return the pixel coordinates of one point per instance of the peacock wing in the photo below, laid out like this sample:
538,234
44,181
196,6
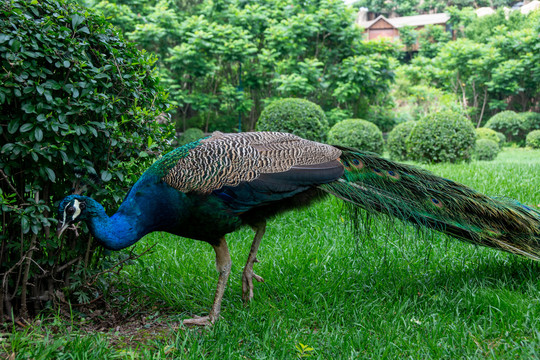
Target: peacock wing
274,159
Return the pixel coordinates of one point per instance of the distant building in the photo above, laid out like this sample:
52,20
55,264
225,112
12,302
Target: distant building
389,27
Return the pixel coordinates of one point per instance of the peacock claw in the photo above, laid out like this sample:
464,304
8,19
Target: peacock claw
247,283
200,321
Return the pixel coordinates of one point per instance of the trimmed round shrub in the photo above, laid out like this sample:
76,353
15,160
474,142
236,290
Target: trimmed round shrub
190,135
397,140
296,116
357,133
511,124
485,133
486,149
533,139
442,137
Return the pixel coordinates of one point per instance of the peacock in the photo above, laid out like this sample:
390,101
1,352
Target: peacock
213,186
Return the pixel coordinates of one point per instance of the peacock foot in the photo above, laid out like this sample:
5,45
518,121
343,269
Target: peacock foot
247,283
200,321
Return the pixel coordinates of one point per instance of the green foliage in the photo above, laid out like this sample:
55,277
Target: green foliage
397,140
431,39
78,102
357,133
296,116
533,139
442,137
502,138
417,101
382,116
486,149
483,28
531,121
486,133
336,115
408,36
190,135
509,123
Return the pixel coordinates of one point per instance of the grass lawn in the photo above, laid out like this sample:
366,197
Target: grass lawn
394,292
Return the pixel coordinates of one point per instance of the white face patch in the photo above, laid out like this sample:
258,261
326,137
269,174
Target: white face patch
77,212
77,209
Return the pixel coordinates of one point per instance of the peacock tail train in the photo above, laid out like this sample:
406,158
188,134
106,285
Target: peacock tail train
419,197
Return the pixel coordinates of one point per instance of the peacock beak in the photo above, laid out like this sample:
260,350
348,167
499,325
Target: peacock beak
60,228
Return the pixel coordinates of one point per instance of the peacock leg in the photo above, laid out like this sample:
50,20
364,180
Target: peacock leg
248,274
223,265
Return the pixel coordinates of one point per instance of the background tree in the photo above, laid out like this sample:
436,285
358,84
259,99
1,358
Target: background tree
224,60
494,67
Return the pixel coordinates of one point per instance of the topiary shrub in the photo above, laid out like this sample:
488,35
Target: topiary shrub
486,149
485,133
442,137
190,135
357,133
509,123
397,140
77,102
296,116
533,139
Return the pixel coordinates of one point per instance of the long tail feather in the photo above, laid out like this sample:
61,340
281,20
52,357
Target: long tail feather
417,196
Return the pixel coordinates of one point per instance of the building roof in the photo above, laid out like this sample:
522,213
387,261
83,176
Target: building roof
532,6
483,11
415,20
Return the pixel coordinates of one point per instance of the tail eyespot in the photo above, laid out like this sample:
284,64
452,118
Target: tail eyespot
357,164
436,202
394,175
345,164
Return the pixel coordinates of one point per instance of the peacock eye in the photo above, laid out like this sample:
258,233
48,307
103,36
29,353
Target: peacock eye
70,210
82,206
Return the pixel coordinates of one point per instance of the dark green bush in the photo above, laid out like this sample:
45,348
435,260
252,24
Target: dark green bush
509,123
442,137
531,121
296,116
357,133
78,102
533,139
486,149
397,140
336,115
190,135
486,133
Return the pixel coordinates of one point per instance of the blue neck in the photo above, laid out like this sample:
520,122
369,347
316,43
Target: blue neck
116,232
151,205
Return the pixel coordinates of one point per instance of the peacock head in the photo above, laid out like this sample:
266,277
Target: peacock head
72,208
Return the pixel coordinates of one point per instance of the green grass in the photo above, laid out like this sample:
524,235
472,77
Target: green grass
394,292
